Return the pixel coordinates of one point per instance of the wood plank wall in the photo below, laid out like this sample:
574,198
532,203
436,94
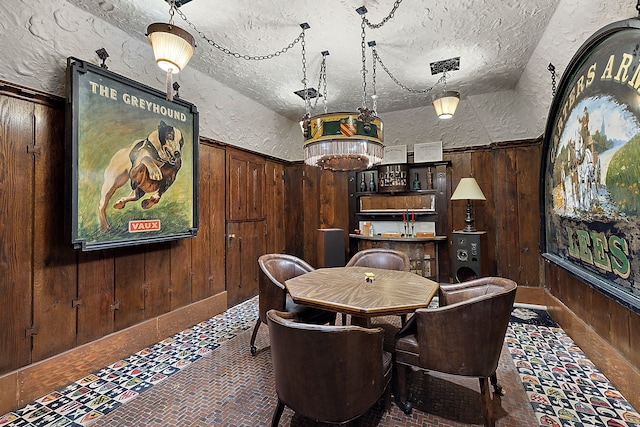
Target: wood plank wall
57,299
66,299
508,176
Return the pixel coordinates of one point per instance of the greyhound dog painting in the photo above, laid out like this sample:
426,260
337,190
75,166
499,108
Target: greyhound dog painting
150,165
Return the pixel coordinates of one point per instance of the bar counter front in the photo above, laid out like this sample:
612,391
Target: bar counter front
422,251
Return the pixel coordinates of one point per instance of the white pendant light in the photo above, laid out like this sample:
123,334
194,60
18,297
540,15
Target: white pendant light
446,103
173,47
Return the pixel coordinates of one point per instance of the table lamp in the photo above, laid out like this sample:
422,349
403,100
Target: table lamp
468,189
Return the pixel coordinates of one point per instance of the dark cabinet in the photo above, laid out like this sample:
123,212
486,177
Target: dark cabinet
405,200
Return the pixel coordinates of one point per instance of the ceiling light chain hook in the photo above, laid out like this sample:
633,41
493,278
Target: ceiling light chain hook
391,14
235,54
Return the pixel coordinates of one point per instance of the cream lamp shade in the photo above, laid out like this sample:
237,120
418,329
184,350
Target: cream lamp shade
468,189
446,103
172,46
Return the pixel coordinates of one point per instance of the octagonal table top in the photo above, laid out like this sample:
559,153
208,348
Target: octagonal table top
346,290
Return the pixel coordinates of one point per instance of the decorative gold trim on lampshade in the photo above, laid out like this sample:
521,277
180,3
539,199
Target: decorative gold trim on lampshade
341,142
446,103
173,47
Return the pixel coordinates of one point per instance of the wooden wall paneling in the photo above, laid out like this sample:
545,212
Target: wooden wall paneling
54,260
236,188
461,168
311,207
16,231
634,339
180,280
201,270
242,260
294,209
334,206
217,213
507,236
245,186
208,247
129,283
96,294
157,280
620,329
255,189
275,207
528,181
485,211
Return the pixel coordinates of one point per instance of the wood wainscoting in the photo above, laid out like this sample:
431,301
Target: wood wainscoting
19,387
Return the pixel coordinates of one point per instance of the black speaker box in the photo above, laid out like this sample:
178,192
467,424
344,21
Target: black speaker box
330,247
468,253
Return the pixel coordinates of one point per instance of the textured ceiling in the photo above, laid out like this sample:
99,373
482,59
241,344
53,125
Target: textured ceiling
493,38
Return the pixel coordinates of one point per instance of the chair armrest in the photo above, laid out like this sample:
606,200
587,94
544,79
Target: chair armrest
409,328
451,294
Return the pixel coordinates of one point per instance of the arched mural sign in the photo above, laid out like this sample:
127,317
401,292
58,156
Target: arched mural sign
590,189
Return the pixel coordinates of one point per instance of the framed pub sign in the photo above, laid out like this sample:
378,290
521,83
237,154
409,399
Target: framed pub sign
131,156
590,189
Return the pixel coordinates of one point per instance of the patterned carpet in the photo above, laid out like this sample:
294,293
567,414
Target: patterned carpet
563,386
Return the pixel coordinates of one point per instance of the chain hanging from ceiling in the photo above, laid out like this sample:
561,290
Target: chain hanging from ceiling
552,70
236,54
366,114
377,58
391,14
322,82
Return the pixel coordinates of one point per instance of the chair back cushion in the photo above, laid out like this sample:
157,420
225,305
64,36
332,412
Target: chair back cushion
276,269
387,259
327,373
466,337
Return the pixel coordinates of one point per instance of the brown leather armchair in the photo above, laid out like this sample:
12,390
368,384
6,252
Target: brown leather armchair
277,268
464,336
330,374
387,259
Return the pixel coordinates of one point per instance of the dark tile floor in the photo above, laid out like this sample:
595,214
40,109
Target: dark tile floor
206,376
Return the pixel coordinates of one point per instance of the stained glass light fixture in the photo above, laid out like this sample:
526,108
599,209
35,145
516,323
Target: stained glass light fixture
348,141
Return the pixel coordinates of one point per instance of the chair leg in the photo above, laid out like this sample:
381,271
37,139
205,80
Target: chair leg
254,350
497,388
277,413
403,319
400,392
387,397
489,421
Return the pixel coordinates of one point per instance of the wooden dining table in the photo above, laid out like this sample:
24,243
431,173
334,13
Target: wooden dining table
347,290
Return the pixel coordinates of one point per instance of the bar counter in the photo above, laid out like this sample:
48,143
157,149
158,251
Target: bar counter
422,251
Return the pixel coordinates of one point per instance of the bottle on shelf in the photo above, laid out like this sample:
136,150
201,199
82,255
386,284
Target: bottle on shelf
363,185
416,182
372,183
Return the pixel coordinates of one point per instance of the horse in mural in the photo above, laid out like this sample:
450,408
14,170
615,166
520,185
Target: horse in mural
584,169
